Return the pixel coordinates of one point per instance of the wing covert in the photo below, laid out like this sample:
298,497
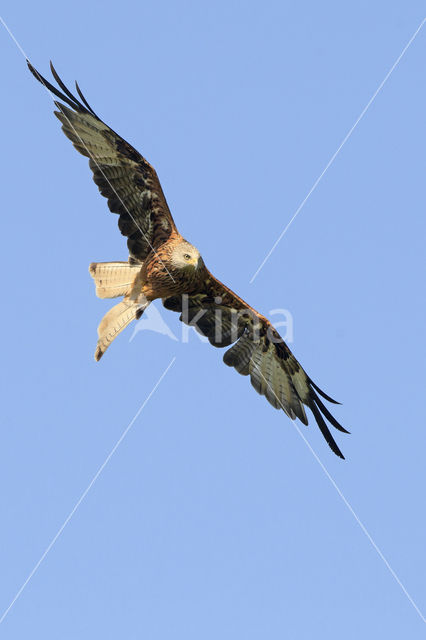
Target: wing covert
121,173
257,351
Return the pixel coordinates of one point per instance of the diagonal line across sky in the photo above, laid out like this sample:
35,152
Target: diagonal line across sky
336,153
86,491
117,195
349,506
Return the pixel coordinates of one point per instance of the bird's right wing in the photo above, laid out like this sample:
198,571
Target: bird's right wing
123,176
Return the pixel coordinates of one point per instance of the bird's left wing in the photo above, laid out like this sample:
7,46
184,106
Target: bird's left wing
122,174
258,351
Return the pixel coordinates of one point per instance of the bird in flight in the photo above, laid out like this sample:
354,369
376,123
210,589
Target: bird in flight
162,264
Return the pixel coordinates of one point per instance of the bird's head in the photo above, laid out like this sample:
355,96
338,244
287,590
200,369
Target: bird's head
185,256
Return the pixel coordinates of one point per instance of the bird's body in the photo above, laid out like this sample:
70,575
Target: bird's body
166,272
162,264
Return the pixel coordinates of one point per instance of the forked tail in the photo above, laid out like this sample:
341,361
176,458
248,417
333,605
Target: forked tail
115,279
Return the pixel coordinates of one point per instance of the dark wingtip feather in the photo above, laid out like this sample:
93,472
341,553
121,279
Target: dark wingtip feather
322,393
66,96
72,102
332,420
325,431
84,99
33,70
77,103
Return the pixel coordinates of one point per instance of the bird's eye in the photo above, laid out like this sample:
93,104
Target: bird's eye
186,256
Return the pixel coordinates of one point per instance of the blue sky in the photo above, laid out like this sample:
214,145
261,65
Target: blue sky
213,518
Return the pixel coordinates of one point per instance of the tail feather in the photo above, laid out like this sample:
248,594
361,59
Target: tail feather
114,322
113,279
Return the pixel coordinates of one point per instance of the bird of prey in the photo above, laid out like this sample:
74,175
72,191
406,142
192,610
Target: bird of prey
162,264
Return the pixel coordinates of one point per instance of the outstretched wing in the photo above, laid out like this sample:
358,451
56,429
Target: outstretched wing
258,351
123,176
